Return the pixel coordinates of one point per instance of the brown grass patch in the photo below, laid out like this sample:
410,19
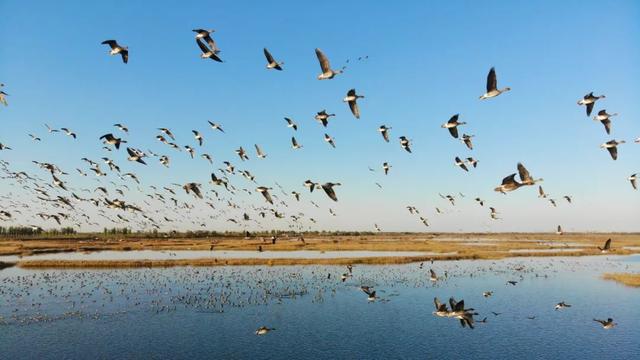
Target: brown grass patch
629,279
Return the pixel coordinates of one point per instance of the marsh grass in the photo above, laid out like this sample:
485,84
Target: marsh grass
628,279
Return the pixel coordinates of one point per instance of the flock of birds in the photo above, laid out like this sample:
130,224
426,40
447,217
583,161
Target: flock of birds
58,200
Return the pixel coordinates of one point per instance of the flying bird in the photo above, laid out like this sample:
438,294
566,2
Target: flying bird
291,124
352,99
405,143
589,100
384,131
492,86
327,72
612,147
271,62
117,49
452,125
206,52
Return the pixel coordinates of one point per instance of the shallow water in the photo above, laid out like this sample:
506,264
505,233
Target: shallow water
203,254
213,312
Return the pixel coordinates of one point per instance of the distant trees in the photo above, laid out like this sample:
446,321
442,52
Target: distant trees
25,231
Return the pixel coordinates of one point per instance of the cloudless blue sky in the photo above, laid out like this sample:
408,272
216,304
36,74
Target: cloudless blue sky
426,62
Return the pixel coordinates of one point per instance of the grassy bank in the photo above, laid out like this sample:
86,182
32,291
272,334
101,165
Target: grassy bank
629,279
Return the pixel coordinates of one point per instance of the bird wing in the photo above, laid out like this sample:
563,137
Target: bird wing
589,108
112,43
330,192
452,303
324,62
492,80
125,56
267,54
509,179
524,173
353,105
131,152
607,245
211,42
614,152
385,135
607,125
454,132
293,141
202,46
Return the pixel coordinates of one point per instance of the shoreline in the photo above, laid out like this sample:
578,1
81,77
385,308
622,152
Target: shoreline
211,262
452,246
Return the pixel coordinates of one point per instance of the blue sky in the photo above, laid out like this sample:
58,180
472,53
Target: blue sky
427,61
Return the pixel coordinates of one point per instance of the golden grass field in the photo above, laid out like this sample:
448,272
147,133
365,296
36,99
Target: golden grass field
629,279
452,246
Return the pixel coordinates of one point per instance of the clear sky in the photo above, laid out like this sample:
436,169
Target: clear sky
426,62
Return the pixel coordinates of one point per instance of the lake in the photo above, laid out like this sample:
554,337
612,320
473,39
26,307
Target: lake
187,312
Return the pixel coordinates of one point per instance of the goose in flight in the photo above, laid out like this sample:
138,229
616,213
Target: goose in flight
263,330
34,138
117,49
466,139
606,324
452,125
4,147
323,117
562,305
370,293
352,100
164,160
50,129
265,192
525,177
541,193
405,143
135,155
386,167
112,140
509,183
215,126
441,309
122,127
206,52
271,62
460,163
612,147
492,86
259,152
69,132
194,188
559,230
384,131
606,247
327,72
328,189
242,154
197,136
634,181
168,133
605,119
295,144
473,162
310,184
190,150
589,100
217,181
291,124
205,35
329,140
568,198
